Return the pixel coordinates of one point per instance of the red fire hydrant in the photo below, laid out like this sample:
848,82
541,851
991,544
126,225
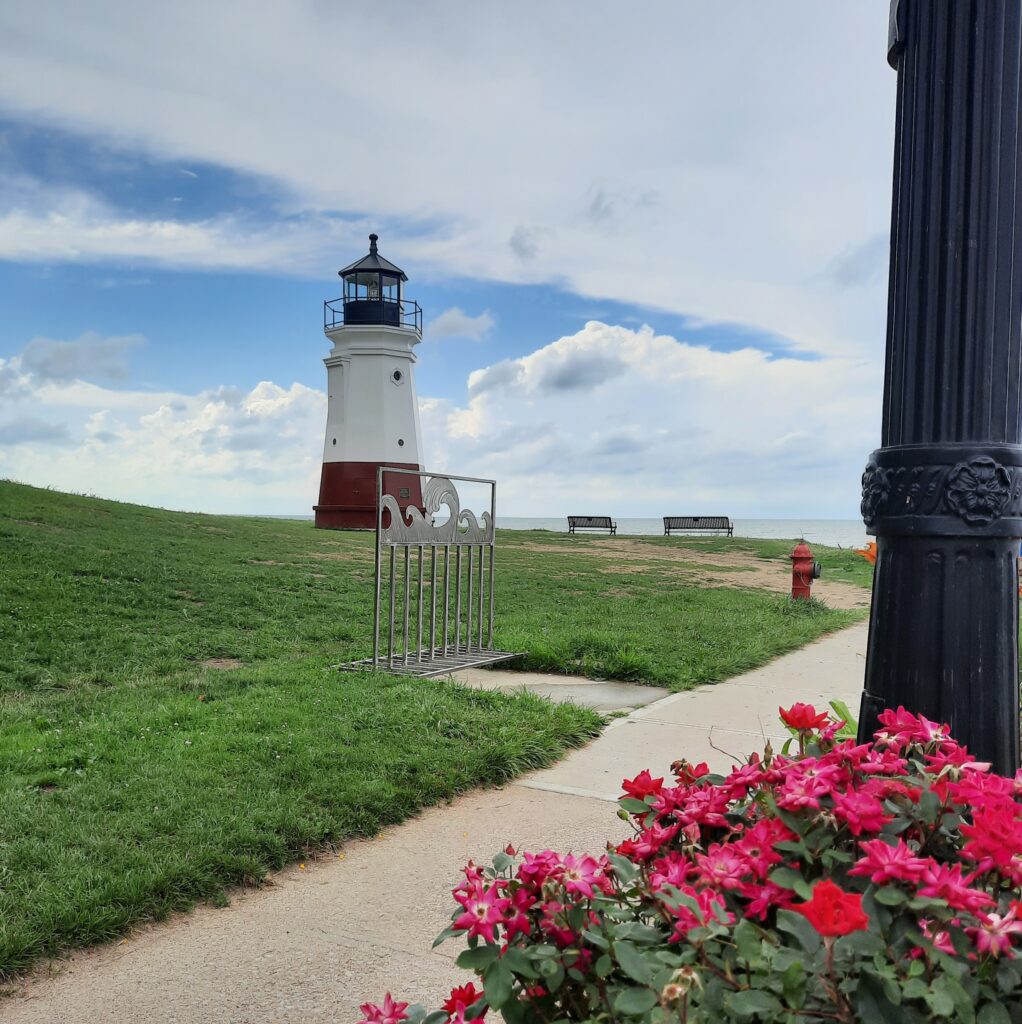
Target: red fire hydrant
803,571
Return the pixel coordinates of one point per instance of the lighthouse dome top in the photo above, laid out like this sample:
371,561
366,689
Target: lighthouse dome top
372,296
373,261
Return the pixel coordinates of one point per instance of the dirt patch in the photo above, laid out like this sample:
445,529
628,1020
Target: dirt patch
340,556
737,569
222,664
38,525
187,595
264,561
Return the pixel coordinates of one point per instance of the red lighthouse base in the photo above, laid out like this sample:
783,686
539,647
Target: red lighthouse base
347,494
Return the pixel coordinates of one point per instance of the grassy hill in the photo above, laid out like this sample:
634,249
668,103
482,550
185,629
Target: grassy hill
170,724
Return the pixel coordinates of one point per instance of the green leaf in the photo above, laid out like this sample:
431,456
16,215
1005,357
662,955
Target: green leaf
751,1001
502,861
940,1002
516,960
789,878
964,1011
595,938
416,1013
747,939
860,943
632,962
896,826
514,1011
479,958
872,1005
1008,977
633,806
476,1010
890,896
851,726
993,1013
603,966
497,984
636,931
623,868
633,1002
554,981
796,925
435,1017
915,988
444,935
793,981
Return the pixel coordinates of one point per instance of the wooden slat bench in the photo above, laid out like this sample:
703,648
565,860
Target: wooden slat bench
591,523
694,524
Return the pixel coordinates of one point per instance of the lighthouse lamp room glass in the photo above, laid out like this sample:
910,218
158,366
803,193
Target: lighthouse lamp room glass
372,407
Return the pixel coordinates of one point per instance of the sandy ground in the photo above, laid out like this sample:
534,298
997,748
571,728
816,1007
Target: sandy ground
710,568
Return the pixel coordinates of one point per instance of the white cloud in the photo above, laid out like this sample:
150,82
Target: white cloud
31,430
644,424
47,223
703,158
221,450
453,323
676,428
89,356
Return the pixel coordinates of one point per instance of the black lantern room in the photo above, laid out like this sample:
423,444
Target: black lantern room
372,289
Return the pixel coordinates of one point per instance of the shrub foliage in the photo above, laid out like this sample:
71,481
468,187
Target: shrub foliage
843,882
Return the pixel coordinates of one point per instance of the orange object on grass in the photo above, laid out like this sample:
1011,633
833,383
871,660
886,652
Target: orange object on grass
869,552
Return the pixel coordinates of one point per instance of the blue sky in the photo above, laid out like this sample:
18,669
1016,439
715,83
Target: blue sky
178,189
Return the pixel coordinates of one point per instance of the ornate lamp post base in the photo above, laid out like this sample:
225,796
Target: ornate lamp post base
944,493
940,642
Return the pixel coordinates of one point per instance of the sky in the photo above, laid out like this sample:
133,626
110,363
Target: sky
650,245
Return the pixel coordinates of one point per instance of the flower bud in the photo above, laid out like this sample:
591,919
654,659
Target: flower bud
682,981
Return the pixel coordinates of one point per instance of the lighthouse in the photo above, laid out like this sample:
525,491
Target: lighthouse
372,415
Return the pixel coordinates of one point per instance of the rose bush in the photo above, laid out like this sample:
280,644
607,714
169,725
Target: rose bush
848,882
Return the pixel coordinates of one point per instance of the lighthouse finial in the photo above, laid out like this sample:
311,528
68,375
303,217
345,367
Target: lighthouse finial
373,239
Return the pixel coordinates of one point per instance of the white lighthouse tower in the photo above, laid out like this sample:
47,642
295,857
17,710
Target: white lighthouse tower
372,411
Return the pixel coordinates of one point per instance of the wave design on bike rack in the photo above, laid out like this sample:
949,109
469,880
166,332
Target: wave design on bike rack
462,527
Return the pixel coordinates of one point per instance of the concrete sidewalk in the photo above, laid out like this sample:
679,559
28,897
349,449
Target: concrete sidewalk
317,942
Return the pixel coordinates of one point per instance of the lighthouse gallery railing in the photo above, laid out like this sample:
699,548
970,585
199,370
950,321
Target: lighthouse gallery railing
434,580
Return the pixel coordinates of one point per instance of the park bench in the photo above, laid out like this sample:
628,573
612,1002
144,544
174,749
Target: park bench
693,524
591,523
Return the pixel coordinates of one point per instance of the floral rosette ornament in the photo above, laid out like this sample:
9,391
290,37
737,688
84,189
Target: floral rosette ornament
874,882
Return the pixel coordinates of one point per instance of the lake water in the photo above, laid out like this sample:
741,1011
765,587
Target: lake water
838,533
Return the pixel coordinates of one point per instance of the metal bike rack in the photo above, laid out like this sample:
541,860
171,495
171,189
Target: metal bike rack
437,585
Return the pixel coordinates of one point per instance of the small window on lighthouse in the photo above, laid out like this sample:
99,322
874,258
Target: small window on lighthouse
397,376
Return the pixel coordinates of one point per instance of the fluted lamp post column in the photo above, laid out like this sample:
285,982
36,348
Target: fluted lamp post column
944,492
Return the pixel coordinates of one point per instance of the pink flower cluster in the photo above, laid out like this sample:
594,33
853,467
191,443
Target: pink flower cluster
717,840
821,834
534,899
461,999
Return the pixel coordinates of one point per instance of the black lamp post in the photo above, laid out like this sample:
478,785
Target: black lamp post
944,492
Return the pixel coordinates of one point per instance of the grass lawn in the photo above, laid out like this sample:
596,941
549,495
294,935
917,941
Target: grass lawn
170,724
